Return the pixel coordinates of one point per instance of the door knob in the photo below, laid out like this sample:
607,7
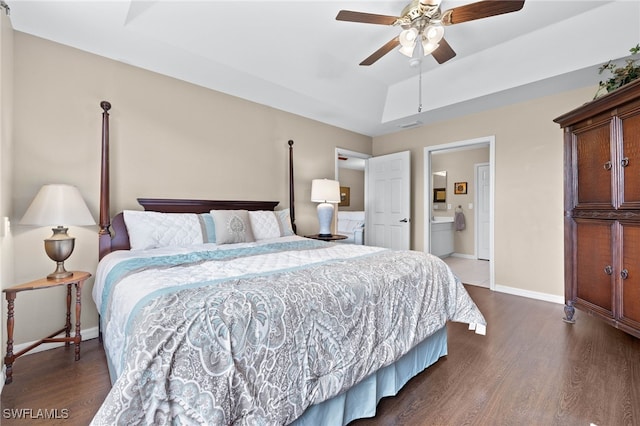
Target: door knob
405,220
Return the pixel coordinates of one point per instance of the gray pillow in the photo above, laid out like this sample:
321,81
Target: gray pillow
232,226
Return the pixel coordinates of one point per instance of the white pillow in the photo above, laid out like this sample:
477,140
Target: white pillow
264,224
349,225
149,230
232,226
284,217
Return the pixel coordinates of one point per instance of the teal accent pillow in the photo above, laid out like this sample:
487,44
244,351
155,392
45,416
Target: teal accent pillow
208,228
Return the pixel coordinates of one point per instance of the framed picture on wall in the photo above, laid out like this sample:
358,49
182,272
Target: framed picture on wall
439,195
344,196
460,188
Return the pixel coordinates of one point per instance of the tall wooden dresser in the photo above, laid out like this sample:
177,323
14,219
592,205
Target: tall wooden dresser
602,208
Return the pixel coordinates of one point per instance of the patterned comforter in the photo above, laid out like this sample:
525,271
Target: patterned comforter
256,333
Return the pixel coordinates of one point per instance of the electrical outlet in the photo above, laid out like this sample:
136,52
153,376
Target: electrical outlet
470,206
5,227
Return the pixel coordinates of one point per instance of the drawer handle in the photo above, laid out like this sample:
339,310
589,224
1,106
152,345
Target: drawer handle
608,270
624,162
607,165
624,274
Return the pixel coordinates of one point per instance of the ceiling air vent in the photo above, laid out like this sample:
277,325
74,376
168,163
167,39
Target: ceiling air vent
410,124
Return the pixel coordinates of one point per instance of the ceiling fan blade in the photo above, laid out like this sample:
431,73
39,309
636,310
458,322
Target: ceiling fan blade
388,47
479,10
366,18
443,53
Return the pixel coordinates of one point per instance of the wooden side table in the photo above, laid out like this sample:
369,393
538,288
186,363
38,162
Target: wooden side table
334,237
78,278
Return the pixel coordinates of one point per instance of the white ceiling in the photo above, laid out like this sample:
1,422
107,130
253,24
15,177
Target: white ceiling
294,55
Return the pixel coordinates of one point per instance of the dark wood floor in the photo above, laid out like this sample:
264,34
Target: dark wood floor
530,369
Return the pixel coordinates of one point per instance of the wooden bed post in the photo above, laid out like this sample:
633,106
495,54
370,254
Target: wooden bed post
104,234
119,240
292,208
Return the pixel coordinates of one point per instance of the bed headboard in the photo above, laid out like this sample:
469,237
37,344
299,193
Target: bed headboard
113,234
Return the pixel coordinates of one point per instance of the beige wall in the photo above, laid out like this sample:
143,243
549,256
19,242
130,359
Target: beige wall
168,139
6,156
354,179
528,180
460,167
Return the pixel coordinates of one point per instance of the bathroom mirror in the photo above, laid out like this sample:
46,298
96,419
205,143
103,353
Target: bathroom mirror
439,185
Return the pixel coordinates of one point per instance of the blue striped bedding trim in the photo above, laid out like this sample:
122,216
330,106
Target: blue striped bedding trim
129,266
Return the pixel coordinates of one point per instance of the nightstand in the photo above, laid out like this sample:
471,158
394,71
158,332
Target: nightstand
334,237
77,279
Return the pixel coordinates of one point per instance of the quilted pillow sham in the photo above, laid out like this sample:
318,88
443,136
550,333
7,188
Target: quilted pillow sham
149,230
284,218
264,224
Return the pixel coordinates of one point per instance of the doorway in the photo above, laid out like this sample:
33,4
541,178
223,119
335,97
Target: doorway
461,146
386,195
351,171
482,214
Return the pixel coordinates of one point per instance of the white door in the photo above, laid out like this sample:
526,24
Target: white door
389,201
483,209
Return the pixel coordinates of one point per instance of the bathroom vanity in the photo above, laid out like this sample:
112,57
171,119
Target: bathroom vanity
442,236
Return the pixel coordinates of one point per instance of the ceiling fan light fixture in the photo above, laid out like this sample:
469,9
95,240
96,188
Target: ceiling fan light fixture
408,50
428,47
408,37
434,32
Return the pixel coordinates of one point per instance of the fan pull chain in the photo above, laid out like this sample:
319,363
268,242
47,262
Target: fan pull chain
420,89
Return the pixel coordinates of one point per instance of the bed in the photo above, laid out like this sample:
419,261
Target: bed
203,323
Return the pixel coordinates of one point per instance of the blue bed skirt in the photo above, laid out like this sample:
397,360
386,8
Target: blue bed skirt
361,400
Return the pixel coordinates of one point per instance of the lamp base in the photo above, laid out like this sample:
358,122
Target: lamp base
59,273
325,216
59,247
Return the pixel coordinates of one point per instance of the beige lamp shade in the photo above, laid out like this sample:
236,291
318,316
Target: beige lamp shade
325,191
58,204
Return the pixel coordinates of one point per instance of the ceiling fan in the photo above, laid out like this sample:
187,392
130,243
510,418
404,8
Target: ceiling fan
423,24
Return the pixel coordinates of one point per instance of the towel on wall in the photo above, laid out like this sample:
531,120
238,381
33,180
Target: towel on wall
459,222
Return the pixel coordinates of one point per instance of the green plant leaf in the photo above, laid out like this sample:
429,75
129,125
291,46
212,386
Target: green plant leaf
619,75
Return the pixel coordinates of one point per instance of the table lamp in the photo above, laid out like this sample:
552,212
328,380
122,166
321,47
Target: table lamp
58,205
326,192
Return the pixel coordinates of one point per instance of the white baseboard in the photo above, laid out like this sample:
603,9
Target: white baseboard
530,294
464,256
89,333
518,291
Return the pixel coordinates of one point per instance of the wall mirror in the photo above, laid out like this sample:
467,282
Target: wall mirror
439,185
